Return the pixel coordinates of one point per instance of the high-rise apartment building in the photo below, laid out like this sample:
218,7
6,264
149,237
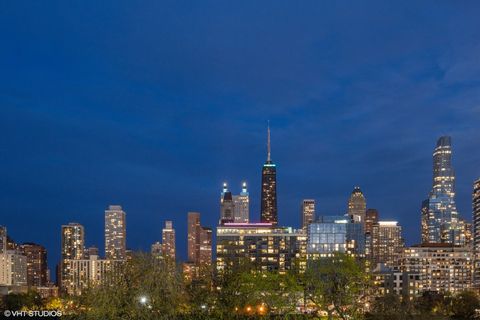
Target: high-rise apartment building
87,272
264,246
357,205
387,243
168,241
73,241
3,239
13,265
37,268
476,230
242,205
307,211
440,222
13,269
73,248
269,213
335,234
199,246
442,267
371,218
115,233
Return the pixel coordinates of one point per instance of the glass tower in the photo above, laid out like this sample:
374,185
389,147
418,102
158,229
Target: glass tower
269,189
440,223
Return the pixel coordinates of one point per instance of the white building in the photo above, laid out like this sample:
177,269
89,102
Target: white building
442,267
88,272
13,269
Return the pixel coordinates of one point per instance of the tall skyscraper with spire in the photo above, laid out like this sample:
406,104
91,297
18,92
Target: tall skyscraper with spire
269,188
440,222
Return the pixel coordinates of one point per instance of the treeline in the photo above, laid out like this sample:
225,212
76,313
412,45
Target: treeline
333,288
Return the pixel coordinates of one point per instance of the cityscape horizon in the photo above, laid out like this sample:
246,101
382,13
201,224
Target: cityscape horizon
197,160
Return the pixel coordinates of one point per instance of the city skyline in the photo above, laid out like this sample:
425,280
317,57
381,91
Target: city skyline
354,197
154,113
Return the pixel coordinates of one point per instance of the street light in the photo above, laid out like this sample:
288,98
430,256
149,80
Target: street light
143,300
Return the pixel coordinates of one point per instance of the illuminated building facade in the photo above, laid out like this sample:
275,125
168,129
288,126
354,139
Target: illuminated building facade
37,268
199,246
440,223
227,206
357,205
13,265
476,229
115,233
242,205
269,213
73,247
156,249
3,240
387,243
371,218
264,246
13,269
84,273
307,211
442,267
335,234
168,241
387,281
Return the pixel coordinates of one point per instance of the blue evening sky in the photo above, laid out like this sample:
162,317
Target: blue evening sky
153,104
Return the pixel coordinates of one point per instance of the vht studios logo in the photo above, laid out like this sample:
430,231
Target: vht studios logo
32,313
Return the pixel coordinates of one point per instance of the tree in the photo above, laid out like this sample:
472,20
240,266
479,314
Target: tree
464,305
391,306
145,287
30,300
337,285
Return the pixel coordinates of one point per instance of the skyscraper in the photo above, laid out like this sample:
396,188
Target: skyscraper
307,211
268,211
193,236
387,243
73,241
199,245
357,205
115,233
476,216
36,264
439,211
73,247
371,219
168,241
476,230
226,206
3,240
242,205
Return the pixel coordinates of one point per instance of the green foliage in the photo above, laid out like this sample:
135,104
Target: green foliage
145,288
464,305
337,285
23,301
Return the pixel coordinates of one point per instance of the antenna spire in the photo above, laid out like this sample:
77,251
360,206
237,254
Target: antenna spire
268,141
